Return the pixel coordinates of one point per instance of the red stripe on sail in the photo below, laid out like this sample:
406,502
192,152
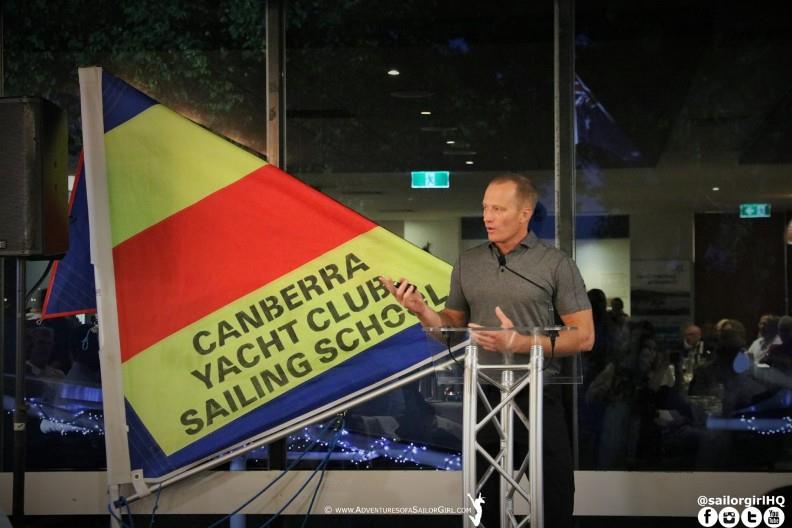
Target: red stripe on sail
229,244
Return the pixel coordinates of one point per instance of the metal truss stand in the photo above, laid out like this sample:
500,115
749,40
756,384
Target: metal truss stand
502,417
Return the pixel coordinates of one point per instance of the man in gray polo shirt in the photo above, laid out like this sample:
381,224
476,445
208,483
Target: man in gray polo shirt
517,280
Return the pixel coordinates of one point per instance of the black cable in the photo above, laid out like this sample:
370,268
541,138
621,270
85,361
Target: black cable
450,353
552,334
502,262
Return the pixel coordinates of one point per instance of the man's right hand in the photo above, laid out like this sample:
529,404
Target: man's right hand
406,294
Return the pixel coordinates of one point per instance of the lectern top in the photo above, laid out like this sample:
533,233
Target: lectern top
522,329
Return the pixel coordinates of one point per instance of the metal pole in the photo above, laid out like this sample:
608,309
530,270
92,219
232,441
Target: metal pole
2,260
2,356
119,472
238,520
496,465
565,181
564,114
20,412
470,389
535,447
787,220
276,133
276,82
507,445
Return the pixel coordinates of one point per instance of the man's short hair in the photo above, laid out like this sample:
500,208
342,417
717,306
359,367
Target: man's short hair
525,187
771,319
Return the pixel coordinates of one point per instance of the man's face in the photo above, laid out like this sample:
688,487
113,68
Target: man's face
692,336
767,328
505,216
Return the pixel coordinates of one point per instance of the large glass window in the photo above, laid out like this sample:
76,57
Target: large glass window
683,143
377,90
683,193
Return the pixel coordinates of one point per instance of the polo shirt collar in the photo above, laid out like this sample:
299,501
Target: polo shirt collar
530,241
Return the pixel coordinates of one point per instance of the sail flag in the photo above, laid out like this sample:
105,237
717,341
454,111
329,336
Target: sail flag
244,298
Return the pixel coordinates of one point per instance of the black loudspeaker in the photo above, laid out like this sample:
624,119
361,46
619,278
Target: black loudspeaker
34,183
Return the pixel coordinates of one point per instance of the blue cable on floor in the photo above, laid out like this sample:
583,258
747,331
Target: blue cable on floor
337,421
318,485
156,506
315,471
121,502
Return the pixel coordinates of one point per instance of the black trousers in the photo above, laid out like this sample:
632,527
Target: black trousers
559,483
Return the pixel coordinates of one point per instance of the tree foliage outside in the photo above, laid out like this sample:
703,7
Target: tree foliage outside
203,58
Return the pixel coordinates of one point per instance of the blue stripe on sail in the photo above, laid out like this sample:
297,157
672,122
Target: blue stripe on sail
121,102
389,357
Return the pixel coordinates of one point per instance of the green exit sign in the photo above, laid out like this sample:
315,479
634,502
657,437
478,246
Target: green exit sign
431,179
755,210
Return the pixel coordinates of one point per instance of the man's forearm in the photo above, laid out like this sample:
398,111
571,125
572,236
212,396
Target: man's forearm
432,319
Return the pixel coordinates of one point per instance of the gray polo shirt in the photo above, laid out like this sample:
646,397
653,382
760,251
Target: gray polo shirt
479,284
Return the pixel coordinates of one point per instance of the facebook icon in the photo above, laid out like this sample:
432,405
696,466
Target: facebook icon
707,516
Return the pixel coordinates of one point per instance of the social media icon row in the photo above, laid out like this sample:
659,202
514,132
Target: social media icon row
751,517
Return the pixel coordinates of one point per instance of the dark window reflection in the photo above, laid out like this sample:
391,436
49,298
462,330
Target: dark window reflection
697,376
63,390
417,426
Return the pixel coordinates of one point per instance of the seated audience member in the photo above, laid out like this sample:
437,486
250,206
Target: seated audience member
733,387
619,329
768,336
691,354
617,312
600,353
780,355
708,379
40,344
621,390
62,328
